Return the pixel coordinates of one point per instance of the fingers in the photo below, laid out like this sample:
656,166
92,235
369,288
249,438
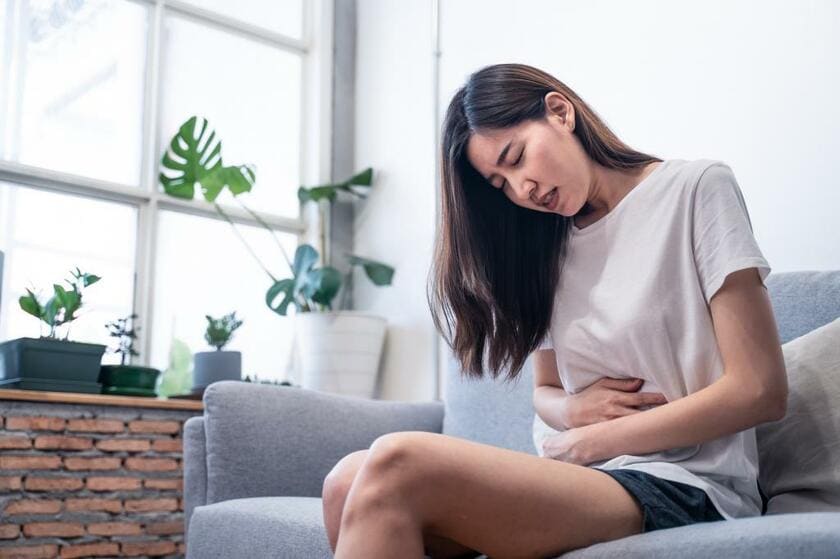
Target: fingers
649,398
643,399
625,384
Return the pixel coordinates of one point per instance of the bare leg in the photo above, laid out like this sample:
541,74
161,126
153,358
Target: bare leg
336,486
507,504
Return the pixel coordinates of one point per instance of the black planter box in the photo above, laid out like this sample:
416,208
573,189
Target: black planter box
129,380
47,364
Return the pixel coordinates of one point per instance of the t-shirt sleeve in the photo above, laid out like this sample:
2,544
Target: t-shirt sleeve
723,240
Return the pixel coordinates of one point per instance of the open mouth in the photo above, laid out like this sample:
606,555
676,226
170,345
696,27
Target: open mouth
550,198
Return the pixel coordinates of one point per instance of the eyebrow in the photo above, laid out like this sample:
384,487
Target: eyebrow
502,156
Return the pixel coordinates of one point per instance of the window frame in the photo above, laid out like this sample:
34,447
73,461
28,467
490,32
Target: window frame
315,50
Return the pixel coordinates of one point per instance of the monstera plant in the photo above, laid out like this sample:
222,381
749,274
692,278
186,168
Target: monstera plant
312,288
194,160
194,157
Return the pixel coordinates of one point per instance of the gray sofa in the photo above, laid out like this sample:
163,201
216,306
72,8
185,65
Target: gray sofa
254,463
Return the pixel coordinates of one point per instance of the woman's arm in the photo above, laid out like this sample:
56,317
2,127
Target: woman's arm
752,390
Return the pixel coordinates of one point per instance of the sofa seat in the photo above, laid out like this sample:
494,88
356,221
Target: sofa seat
815,535
259,528
293,528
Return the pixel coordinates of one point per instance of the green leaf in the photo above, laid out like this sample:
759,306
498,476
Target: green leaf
191,156
284,287
29,303
377,272
329,191
327,282
238,179
365,178
305,257
177,378
51,310
316,193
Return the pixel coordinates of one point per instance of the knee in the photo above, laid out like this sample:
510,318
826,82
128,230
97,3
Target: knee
338,481
394,460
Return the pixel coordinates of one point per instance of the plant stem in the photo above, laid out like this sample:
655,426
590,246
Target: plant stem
270,230
254,254
347,279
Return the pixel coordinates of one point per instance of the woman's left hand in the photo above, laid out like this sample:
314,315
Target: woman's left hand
575,446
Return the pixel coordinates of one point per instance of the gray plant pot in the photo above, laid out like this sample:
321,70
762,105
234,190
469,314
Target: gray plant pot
212,366
47,364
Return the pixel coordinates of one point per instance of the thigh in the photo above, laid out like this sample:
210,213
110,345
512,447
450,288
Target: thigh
502,502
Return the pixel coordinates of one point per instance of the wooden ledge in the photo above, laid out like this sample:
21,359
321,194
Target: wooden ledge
101,399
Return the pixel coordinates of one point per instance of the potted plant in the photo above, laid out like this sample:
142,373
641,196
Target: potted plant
51,362
212,366
336,351
176,380
333,351
126,379
257,380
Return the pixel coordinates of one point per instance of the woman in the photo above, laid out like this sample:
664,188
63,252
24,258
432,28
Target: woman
653,272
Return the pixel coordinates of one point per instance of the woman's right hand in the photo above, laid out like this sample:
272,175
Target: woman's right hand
608,398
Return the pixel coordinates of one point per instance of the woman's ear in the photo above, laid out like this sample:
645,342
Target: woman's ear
558,106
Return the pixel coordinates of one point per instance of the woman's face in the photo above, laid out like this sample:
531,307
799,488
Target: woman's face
544,167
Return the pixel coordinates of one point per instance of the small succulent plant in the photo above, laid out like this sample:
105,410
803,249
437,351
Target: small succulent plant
220,330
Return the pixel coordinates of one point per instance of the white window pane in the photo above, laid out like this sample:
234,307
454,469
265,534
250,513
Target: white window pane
202,267
72,86
282,16
45,235
250,94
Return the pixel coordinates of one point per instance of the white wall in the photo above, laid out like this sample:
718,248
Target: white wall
395,135
753,83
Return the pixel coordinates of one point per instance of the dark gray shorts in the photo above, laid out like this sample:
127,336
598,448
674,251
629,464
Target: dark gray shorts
665,503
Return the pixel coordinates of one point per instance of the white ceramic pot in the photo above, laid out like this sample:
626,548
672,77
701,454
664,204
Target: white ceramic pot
339,351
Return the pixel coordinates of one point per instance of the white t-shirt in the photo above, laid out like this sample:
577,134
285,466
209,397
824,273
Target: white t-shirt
633,302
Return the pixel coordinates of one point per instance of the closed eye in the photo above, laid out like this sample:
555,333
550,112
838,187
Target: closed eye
514,164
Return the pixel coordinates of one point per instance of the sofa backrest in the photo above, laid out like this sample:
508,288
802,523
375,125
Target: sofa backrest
500,413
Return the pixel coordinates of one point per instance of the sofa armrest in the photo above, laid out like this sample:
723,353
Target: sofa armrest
195,468
270,440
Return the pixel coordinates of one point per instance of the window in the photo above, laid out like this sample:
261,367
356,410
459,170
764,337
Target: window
96,236
201,268
72,87
91,91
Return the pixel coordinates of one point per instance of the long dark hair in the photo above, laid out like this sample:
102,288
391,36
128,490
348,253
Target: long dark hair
497,265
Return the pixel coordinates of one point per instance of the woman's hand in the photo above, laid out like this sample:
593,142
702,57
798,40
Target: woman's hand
608,398
573,446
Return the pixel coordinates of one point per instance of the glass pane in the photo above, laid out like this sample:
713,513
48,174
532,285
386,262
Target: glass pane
250,94
72,86
45,235
282,16
202,267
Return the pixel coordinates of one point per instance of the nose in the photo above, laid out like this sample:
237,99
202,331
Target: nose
525,189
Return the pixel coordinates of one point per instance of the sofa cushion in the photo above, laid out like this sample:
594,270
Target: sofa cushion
799,455
803,300
264,440
490,411
292,527
259,528
814,535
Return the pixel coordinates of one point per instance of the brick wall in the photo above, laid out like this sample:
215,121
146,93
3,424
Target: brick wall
80,480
